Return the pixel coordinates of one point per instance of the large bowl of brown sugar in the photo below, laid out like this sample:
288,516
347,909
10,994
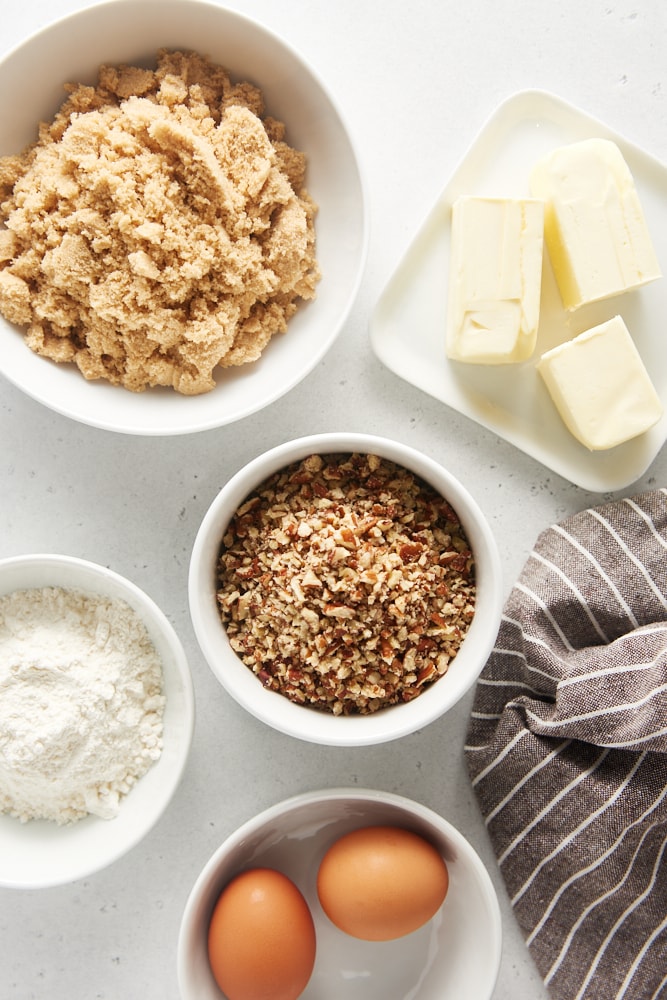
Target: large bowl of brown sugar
183,225
345,589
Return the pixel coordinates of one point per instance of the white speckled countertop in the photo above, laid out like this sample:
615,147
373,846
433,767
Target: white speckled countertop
421,79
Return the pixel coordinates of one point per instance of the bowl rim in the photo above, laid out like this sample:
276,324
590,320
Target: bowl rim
206,878
155,621
202,417
393,722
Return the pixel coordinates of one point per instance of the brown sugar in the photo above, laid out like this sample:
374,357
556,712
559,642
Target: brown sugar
158,228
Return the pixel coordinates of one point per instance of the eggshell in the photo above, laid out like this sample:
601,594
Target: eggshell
381,882
261,939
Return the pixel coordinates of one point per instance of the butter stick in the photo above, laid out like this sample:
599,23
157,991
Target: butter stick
594,226
494,279
600,386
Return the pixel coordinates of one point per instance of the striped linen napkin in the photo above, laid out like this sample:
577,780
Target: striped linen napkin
567,751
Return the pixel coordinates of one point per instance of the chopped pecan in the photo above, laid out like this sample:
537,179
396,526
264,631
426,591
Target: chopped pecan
346,583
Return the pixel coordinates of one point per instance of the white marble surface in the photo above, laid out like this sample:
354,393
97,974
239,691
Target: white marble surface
415,81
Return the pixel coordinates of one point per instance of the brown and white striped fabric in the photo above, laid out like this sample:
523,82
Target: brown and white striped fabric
567,751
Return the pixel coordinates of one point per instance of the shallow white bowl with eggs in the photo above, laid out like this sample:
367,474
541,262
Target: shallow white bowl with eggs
131,32
310,724
454,956
40,853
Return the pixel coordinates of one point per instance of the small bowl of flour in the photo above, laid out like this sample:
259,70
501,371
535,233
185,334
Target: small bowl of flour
96,718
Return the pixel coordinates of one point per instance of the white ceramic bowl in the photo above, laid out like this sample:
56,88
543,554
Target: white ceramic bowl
40,853
132,31
455,956
306,723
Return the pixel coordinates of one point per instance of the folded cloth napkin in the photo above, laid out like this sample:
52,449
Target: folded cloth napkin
567,751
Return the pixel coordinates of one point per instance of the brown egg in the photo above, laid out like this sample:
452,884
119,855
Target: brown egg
261,939
381,882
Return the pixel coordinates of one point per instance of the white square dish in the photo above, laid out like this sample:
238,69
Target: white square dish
408,324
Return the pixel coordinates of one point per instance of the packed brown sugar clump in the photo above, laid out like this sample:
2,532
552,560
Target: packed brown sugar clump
158,228
346,583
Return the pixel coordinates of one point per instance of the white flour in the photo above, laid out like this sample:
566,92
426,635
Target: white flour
81,704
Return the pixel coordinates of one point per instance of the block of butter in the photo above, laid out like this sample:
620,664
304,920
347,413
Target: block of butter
600,386
495,278
594,226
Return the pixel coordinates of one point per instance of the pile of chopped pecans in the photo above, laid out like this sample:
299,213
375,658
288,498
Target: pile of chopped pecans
346,583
